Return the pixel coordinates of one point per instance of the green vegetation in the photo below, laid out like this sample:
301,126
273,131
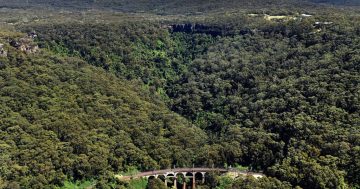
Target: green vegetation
114,93
138,184
241,168
77,185
130,171
153,6
249,183
63,119
156,184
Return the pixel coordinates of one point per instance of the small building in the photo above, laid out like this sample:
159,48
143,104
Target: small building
306,15
253,15
277,18
323,23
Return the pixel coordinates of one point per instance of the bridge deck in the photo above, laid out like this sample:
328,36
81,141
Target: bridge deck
191,170
178,170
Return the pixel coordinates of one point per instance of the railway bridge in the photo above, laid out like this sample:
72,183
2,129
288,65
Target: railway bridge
185,174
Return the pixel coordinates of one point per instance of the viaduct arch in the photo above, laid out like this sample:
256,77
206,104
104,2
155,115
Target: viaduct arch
187,174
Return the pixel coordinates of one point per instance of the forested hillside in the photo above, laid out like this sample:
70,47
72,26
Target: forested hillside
63,119
275,90
339,2
172,7
156,6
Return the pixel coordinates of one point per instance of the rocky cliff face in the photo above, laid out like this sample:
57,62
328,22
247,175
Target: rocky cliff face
197,28
25,44
211,30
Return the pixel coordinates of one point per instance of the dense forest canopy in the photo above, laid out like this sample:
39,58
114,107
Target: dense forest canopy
168,6
274,89
339,2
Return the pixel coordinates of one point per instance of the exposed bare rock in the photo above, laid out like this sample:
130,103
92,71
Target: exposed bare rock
207,29
3,52
25,44
32,34
15,43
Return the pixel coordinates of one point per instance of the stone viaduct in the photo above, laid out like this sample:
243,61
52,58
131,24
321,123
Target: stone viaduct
185,174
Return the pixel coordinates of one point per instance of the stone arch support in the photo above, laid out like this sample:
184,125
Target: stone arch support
203,177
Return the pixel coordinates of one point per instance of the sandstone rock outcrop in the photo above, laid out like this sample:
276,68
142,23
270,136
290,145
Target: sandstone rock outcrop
208,29
3,52
25,44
